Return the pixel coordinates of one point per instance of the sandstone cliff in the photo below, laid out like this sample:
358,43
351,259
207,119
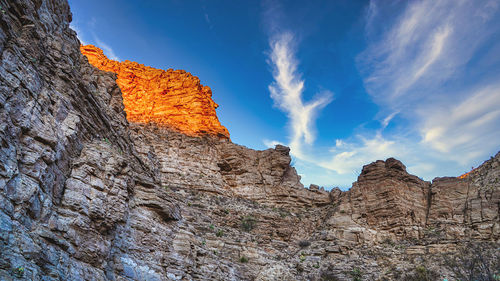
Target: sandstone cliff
86,194
172,98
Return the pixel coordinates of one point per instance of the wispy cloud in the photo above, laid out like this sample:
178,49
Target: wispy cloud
79,33
271,143
371,13
423,49
463,131
433,72
349,157
286,92
207,17
89,28
418,70
108,51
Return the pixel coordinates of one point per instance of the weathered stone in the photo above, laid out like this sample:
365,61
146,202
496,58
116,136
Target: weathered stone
86,195
172,98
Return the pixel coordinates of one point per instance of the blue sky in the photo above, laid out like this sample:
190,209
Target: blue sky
343,83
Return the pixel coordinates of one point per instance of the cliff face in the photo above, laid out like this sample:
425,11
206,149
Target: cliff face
172,98
388,203
224,168
86,195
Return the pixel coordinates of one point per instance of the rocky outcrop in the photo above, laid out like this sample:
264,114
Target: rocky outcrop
225,168
468,206
388,203
70,180
86,195
172,98
386,197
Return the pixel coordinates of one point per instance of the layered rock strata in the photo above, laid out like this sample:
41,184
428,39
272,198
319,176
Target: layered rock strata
387,203
172,98
86,195
225,168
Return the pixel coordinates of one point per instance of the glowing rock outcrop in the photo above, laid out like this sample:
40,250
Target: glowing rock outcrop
172,98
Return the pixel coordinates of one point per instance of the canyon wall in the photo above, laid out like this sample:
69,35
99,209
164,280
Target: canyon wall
86,194
223,168
172,98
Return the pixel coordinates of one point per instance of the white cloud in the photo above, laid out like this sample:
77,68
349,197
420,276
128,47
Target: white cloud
385,122
371,14
108,51
434,67
286,92
89,28
207,18
79,33
431,42
463,130
348,157
271,143
413,71
339,143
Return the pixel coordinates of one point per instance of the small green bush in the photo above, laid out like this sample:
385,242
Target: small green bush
421,273
243,259
19,271
219,233
248,223
474,261
302,257
356,274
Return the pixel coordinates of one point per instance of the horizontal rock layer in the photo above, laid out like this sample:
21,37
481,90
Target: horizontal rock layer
224,168
172,98
84,195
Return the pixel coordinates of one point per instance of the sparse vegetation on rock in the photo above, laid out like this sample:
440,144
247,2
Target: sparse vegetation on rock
248,223
87,194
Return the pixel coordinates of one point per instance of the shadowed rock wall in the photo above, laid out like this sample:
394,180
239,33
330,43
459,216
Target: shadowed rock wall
84,195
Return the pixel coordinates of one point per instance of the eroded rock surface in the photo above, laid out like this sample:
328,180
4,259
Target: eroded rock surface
225,168
84,195
172,98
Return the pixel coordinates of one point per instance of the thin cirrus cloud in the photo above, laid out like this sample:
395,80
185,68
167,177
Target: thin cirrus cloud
286,92
433,72
465,130
419,70
110,53
79,33
428,44
107,49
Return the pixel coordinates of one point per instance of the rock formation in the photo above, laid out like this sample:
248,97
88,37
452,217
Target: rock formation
224,168
86,194
172,98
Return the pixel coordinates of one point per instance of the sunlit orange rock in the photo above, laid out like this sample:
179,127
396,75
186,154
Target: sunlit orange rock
172,98
466,174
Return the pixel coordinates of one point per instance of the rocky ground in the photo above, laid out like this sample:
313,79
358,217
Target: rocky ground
86,195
